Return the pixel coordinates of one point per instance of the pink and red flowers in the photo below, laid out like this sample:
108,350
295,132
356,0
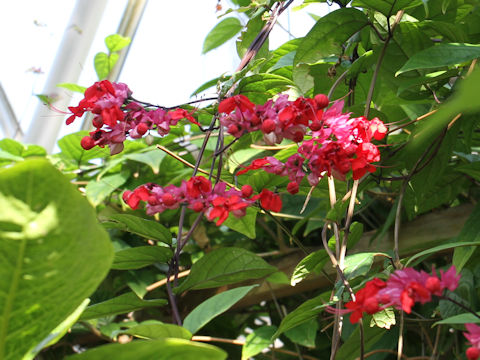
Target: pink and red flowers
402,290
117,116
197,193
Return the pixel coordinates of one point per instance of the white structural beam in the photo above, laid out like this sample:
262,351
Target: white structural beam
67,66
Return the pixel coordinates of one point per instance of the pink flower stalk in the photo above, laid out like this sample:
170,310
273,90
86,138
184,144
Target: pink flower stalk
198,195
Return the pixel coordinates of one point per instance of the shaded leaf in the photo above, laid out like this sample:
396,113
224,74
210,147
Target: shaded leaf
387,7
147,228
350,349
260,87
225,266
163,349
213,307
152,158
470,234
459,319
153,329
311,264
141,256
304,334
73,151
257,340
119,305
441,55
305,312
98,190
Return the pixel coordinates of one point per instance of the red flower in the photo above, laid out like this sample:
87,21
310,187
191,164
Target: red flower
132,198
197,186
365,300
179,114
255,165
269,200
222,207
473,353
241,101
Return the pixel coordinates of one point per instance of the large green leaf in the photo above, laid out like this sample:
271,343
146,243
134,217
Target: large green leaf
225,266
152,329
119,305
48,232
163,349
441,55
143,227
470,234
329,34
431,251
141,256
222,32
256,341
213,307
387,7
305,312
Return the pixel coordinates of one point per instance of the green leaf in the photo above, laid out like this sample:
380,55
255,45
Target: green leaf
244,225
222,32
225,266
254,26
152,158
459,319
304,334
441,55
98,190
440,248
104,64
143,227
213,307
260,87
350,349
464,100
116,42
358,264
73,87
471,169
73,151
383,319
58,332
257,340
305,312
329,34
470,234
119,305
311,264
141,256
387,7
48,233
153,329
163,349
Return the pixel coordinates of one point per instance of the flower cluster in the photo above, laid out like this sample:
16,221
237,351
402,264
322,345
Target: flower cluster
402,290
118,116
200,196
338,142
473,336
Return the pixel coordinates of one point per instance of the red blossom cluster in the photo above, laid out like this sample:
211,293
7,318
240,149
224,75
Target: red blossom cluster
117,116
200,196
402,290
473,336
338,142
